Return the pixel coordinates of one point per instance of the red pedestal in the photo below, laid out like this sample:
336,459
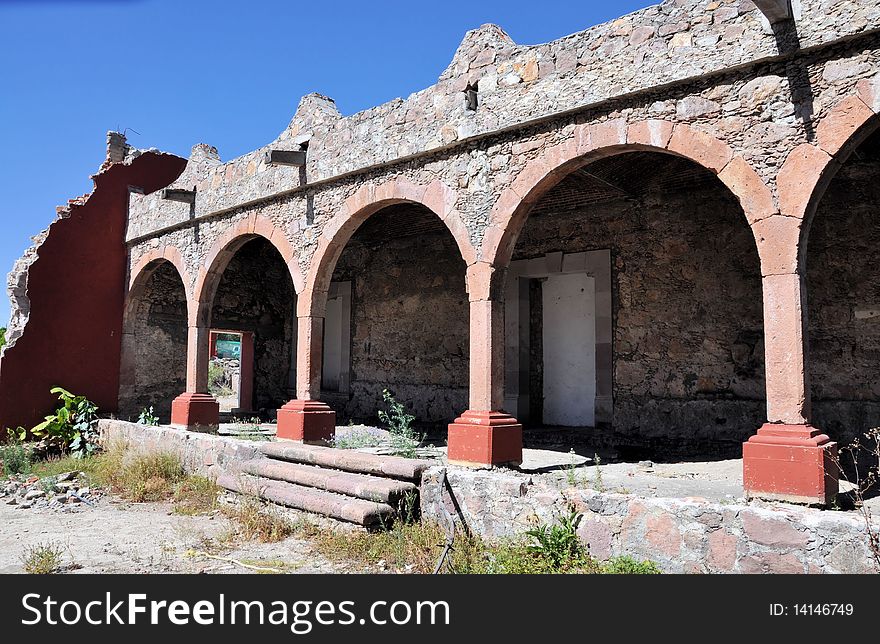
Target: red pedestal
309,421
795,463
485,438
195,412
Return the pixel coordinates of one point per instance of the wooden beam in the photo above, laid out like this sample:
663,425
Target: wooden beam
295,158
183,196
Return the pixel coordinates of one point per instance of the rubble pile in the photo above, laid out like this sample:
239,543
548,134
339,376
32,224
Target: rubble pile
62,492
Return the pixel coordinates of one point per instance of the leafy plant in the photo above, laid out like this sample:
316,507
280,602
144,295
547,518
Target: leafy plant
72,427
559,543
2,336
626,565
15,458
404,439
147,417
219,381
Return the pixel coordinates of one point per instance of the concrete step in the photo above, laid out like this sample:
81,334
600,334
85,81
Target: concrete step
362,486
407,469
308,499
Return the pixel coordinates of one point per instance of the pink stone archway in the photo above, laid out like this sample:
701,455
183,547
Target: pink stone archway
141,270
788,458
483,434
306,418
223,250
595,141
138,278
196,408
365,202
809,168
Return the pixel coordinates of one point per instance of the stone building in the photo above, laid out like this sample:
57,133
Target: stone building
608,232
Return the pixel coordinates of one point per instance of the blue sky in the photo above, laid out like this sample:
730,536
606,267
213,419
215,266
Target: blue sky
228,73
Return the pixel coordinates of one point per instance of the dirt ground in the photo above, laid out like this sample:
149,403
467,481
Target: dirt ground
121,537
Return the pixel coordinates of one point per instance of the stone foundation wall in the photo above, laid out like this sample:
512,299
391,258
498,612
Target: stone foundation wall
158,324
409,327
203,454
688,535
688,354
256,294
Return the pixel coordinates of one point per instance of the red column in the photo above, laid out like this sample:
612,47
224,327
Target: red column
246,377
196,409
788,459
307,419
484,435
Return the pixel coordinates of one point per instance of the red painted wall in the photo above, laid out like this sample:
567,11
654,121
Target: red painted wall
77,289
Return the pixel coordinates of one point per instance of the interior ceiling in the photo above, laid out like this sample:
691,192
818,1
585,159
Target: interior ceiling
399,220
869,150
633,175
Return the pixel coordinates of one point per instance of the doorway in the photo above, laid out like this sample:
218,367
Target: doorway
231,370
569,351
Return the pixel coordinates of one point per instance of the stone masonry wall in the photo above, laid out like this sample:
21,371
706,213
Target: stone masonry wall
843,286
668,43
689,535
159,326
409,327
687,310
698,71
255,294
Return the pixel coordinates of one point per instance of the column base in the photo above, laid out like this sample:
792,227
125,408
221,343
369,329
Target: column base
481,438
793,463
196,413
307,421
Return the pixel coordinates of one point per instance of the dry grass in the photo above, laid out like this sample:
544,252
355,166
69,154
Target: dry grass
407,547
42,558
257,521
196,495
416,548
139,477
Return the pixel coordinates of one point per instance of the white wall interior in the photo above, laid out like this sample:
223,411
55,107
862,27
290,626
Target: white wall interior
591,375
569,350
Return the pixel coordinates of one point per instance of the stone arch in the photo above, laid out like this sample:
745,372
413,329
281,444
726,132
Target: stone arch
137,387
437,197
222,252
809,169
140,273
595,141
828,189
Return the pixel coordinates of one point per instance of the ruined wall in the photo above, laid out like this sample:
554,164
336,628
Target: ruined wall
663,44
683,536
409,327
687,311
843,296
256,294
158,327
72,287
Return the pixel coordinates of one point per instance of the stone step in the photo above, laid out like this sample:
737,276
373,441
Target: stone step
362,486
407,469
368,514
